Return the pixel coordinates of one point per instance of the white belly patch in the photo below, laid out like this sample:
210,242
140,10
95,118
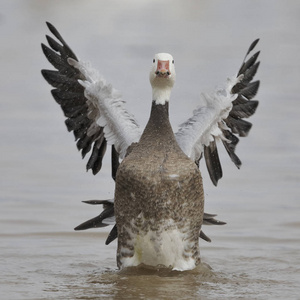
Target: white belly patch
168,247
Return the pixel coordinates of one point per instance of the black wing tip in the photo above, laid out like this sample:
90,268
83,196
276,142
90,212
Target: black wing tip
213,162
65,81
98,152
51,27
50,76
44,47
253,45
47,51
251,61
54,31
43,71
243,106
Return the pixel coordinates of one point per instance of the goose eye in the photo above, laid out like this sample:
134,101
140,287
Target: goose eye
154,60
173,61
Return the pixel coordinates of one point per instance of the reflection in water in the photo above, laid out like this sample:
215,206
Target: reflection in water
141,283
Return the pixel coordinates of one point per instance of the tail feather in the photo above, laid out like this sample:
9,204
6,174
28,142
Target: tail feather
108,212
96,222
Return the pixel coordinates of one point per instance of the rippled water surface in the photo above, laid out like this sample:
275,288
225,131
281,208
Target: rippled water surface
43,180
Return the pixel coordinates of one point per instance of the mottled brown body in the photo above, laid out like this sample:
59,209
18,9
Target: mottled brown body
158,180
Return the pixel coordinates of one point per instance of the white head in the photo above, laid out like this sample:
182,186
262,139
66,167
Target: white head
162,77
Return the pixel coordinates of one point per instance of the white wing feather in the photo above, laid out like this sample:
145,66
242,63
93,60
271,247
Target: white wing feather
207,120
120,128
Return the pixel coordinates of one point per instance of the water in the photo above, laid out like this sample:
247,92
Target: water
255,256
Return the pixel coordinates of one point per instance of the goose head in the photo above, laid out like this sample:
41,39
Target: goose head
162,77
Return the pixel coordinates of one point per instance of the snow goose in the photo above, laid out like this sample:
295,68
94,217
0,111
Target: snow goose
158,208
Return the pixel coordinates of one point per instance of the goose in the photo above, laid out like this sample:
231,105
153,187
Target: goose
157,211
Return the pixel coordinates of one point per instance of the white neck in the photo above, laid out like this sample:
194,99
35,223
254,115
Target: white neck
161,95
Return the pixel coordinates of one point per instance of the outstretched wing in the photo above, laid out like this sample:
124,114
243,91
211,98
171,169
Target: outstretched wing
222,118
94,109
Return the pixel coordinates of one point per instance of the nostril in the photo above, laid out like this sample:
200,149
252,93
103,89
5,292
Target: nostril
168,73
157,72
